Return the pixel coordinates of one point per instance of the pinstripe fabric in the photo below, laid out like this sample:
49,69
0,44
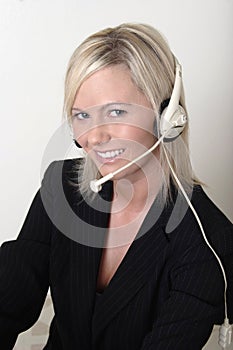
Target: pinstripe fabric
166,294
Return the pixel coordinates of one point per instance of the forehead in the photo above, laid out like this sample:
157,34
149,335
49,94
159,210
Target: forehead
110,84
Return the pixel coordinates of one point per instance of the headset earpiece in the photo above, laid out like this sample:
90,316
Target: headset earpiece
172,114
178,120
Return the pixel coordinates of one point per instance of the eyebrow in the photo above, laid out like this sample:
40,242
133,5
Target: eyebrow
102,107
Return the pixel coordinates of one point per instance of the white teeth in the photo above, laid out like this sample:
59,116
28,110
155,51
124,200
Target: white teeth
111,154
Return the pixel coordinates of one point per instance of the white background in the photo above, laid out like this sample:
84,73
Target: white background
37,37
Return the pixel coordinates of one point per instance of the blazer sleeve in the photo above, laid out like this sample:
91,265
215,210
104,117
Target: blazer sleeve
196,301
24,273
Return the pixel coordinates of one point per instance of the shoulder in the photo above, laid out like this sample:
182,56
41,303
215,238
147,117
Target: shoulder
184,230
61,172
217,226
207,209
59,187
65,166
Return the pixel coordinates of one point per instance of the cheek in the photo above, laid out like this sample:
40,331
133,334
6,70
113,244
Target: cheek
139,135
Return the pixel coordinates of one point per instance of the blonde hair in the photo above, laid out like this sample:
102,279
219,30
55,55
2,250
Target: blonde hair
145,52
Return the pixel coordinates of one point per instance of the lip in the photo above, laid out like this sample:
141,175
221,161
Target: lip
110,158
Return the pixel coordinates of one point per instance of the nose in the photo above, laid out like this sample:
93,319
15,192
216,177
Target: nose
97,136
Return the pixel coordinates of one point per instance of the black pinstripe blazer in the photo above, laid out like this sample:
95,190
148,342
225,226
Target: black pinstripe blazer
166,294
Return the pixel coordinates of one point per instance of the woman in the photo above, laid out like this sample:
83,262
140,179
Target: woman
128,267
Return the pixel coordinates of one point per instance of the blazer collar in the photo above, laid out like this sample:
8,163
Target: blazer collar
136,267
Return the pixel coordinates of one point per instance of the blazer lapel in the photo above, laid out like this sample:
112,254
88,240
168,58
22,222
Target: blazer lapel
85,254
134,271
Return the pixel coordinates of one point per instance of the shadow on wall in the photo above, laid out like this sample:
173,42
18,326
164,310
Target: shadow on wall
35,338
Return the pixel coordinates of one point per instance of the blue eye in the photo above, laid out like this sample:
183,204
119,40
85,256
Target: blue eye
81,115
117,113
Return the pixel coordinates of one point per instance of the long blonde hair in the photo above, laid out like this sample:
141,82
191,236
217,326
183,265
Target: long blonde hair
145,52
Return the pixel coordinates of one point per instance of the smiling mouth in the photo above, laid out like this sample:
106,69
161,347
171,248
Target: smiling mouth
110,154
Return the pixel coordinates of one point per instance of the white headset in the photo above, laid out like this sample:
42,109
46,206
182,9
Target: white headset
173,118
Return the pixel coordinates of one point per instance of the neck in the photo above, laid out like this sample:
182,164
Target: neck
136,194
